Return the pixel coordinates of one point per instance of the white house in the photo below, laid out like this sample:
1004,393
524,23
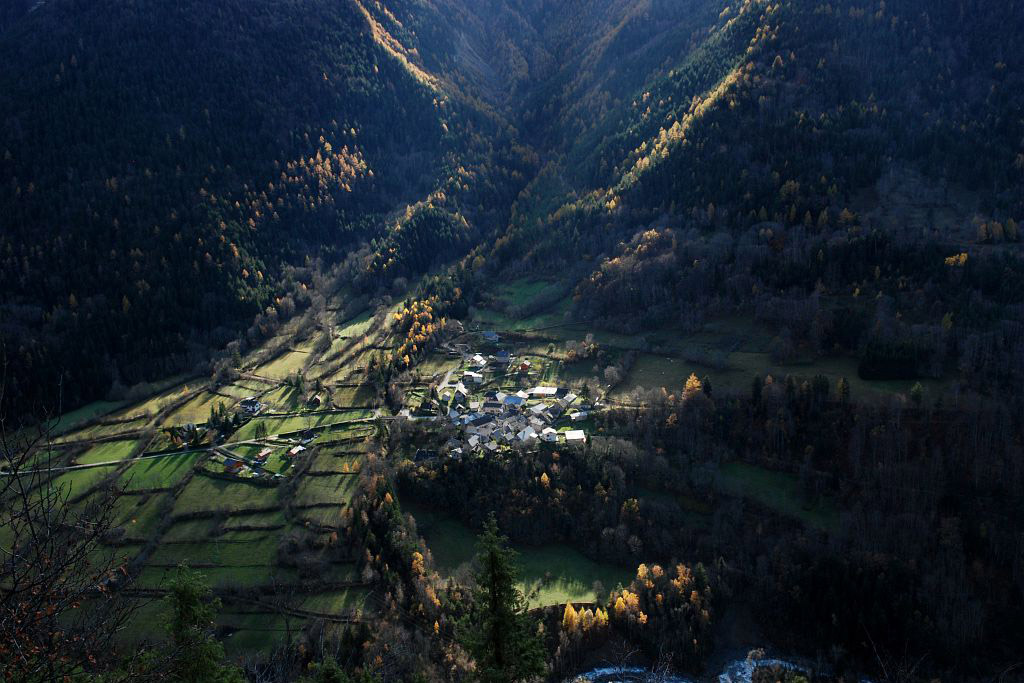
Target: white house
576,436
550,435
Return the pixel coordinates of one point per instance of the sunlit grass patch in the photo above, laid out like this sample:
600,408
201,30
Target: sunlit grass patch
207,495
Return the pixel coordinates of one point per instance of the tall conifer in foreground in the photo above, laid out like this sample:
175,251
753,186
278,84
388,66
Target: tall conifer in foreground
498,631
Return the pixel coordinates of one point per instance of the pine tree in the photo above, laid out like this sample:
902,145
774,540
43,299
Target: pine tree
498,630
917,394
197,657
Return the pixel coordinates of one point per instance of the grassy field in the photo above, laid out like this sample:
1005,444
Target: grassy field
323,516
356,327
336,463
158,473
157,402
778,491
250,386
286,364
286,425
255,631
68,421
110,451
335,488
197,410
360,396
103,556
438,363
284,399
557,573
99,431
336,602
235,549
190,530
551,322
77,482
147,624
237,392
140,515
257,520
207,495
560,574
344,571
223,577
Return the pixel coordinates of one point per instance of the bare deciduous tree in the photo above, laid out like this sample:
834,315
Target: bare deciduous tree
59,610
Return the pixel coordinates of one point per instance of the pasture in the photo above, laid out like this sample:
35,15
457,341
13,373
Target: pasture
104,429
75,483
778,491
162,472
197,410
336,602
235,549
288,363
550,574
140,515
205,495
107,452
75,418
290,425
325,490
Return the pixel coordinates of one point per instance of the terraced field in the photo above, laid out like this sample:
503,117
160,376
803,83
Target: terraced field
163,472
110,451
181,507
205,495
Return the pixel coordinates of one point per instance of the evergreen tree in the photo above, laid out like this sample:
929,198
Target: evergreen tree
196,657
917,394
498,631
328,671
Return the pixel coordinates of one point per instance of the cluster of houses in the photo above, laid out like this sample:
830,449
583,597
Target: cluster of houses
253,468
525,417
487,420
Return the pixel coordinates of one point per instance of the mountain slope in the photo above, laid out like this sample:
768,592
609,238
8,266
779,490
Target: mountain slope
154,209
791,157
161,164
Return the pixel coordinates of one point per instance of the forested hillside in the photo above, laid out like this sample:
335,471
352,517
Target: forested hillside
849,172
163,164
840,151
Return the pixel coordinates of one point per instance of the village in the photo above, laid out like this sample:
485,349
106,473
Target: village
485,402
494,405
